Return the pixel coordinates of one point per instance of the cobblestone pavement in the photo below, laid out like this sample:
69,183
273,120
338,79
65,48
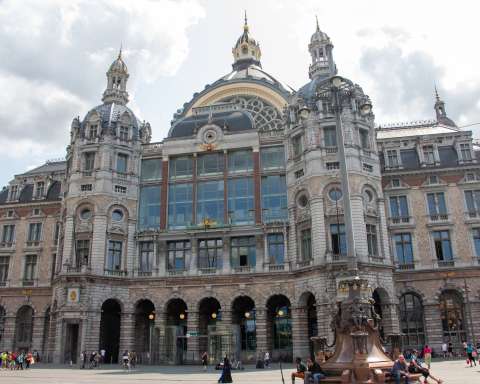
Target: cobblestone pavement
452,372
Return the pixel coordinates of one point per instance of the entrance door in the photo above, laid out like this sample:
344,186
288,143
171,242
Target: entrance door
71,343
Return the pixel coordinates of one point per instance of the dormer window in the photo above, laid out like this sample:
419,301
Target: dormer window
13,192
92,131
39,190
364,140
433,179
123,133
392,158
465,152
428,154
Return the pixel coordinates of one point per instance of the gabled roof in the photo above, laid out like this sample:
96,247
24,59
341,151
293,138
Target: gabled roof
48,167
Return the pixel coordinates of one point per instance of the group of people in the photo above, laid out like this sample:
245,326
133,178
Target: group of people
312,371
92,360
129,360
18,360
404,369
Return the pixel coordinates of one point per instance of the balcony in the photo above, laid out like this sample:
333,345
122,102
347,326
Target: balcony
144,273
28,282
208,271
74,269
406,266
399,220
438,217
243,269
445,263
277,267
331,150
33,243
117,273
304,263
472,215
7,244
176,272
3,283
339,257
87,173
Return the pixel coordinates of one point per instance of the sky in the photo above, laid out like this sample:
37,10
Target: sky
54,55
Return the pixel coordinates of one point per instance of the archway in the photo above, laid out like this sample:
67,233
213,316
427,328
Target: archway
211,338
308,320
144,323
110,330
381,300
411,321
452,313
279,327
175,342
24,329
244,328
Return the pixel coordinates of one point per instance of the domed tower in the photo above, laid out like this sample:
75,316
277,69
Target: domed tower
440,111
247,50
333,178
100,205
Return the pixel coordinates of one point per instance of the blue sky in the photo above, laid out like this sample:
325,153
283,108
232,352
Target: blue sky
55,54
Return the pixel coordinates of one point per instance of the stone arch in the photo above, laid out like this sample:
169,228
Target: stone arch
144,317
244,327
279,326
3,316
453,315
411,289
412,319
110,323
307,316
110,207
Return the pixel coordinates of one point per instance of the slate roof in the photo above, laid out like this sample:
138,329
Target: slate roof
48,167
110,114
414,130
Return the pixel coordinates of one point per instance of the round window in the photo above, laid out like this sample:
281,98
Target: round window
335,194
302,201
85,214
117,215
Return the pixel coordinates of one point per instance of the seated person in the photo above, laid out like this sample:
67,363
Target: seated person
314,372
415,366
399,370
301,368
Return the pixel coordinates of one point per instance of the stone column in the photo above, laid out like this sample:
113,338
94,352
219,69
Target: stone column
300,332
162,257
433,325
390,319
92,336
256,186
98,244
127,332
324,319
8,337
67,244
37,332
193,353
261,331
163,194
226,327
192,263
130,251
319,241
226,266
292,256
260,253
358,222
58,356
383,232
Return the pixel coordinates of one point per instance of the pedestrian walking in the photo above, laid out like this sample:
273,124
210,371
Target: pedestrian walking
445,350
450,349
125,363
205,360
266,359
427,355
83,359
226,376
471,355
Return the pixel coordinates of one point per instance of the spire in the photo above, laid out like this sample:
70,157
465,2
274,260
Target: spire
246,51
117,77
440,111
320,48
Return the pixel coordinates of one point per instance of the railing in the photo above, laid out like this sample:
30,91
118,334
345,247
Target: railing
243,269
28,282
472,214
339,257
175,272
144,273
304,263
7,244
399,220
3,283
208,270
439,217
405,267
87,173
331,150
35,243
276,267
446,263
110,272
74,269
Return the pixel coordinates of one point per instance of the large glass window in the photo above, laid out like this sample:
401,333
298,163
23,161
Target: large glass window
276,248
177,254
4,264
146,256
180,205
210,253
306,244
339,241
403,248
149,209
35,232
181,167
122,161
411,321
240,161
443,246
240,200
372,240
114,256
210,164
89,161
476,241
274,198
30,267
210,202
436,204
472,200
82,252
151,169
8,234
272,158
452,315
243,251
399,207
330,136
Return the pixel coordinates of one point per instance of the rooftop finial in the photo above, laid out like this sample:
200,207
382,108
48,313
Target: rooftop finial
120,51
245,25
436,92
318,27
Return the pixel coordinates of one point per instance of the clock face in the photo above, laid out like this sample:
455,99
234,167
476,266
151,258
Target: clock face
210,136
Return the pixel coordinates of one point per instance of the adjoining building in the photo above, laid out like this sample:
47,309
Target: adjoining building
229,235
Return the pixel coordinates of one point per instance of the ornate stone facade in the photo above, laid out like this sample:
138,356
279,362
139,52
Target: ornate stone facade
228,235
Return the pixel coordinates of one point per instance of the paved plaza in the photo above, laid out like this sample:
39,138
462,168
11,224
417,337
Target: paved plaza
452,372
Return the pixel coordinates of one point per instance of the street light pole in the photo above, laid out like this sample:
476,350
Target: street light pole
347,209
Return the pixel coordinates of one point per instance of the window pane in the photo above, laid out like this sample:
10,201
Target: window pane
180,205
149,215
243,251
122,163
240,161
181,167
210,201
272,158
276,249
210,164
240,201
151,169
274,198
330,136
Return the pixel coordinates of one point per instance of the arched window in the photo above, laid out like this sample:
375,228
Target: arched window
452,315
2,322
411,320
24,327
